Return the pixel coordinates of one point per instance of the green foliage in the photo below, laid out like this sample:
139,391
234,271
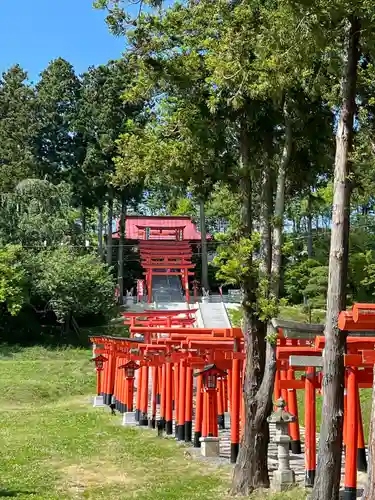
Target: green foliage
71,284
13,282
316,287
58,147
369,271
38,213
17,128
232,259
296,279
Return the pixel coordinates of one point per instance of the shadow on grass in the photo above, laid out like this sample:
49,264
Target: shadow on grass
15,493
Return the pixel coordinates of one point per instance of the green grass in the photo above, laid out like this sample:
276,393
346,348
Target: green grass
56,446
293,313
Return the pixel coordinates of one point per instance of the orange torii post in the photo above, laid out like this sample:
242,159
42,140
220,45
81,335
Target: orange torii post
154,376
161,423
181,401
169,398
198,411
189,405
176,375
235,402
139,394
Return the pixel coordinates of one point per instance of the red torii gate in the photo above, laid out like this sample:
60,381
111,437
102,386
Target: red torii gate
172,360
306,355
152,317
166,258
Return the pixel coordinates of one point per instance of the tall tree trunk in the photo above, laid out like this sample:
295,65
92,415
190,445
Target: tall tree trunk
309,229
204,257
280,205
265,253
100,231
327,483
121,248
83,221
109,229
251,470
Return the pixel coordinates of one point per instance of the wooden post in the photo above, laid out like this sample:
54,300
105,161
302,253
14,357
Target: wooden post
226,383
198,413
205,414
361,454
168,399
176,374
310,427
154,374
181,401
121,399
293,410
143,417
350,492
220,403
189,405
139,392
163,397
235,411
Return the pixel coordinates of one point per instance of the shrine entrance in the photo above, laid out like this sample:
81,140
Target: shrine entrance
164,253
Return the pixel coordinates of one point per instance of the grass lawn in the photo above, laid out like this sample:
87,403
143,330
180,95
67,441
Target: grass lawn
56,446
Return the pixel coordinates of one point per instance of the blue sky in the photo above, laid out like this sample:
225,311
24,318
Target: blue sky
33,32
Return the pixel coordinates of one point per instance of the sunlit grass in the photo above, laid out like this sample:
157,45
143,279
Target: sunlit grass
56,446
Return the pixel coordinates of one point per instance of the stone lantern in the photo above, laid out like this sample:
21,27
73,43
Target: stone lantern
283,477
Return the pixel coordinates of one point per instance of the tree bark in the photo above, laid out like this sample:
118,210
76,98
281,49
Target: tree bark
121,248
109,229
280,205
83,220
309,229
370,490
265,253
327,484
204,257
100,231
251,469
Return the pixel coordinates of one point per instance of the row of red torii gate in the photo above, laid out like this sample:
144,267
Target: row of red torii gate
184,380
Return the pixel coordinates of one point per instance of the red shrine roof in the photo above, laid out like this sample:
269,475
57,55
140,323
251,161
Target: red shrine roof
162,227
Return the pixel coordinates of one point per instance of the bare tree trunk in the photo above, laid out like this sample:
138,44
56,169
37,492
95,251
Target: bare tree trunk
265,215
327,483
204,257
121,247
309,229
370,490
109,229
100,231
251,470
83,220
280,205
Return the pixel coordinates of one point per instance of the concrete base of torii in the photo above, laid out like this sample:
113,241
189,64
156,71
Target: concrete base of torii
210,446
